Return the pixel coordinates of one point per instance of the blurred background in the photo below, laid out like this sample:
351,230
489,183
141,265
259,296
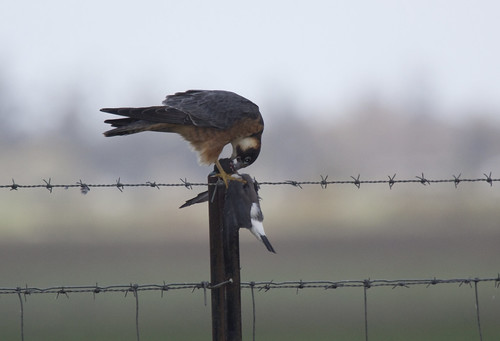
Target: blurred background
375,88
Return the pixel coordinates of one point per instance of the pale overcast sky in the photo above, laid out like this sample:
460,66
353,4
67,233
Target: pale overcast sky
324,53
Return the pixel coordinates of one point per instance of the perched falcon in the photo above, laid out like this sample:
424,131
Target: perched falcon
207,119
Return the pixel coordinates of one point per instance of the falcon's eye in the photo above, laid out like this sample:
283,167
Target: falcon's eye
246,157
246,160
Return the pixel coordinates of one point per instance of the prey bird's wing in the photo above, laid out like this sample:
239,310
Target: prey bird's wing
201,197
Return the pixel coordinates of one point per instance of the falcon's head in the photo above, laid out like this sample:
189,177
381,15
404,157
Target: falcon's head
246,150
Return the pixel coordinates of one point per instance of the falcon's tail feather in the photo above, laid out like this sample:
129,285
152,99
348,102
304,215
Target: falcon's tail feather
154,114
157,118
126,126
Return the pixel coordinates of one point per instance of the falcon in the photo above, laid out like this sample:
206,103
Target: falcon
207,119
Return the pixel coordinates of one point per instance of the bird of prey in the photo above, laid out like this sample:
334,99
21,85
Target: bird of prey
207,119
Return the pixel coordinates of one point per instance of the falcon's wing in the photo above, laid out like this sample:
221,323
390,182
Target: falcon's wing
212,108
202,108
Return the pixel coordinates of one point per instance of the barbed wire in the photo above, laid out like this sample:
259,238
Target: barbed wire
323,182
263,286
259,286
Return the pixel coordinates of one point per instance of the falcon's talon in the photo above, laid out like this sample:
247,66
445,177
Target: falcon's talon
228,177
225,176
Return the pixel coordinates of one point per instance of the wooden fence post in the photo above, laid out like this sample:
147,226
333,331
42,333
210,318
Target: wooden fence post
224,266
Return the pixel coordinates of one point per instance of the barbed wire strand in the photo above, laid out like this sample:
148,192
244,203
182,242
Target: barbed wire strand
420,179
260,286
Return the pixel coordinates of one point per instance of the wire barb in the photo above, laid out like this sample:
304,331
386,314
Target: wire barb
48,185
391,180
293,183
119,185
356,182
84,188
164,288
400,284
205,285
62,292
432,282
488,179
187,184
324,182
14,186
423,180
465,281
300,286
152,184
96,290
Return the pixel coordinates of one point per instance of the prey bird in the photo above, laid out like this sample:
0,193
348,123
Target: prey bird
242,209
241,206
207,119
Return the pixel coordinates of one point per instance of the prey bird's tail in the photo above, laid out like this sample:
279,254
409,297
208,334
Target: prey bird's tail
267,243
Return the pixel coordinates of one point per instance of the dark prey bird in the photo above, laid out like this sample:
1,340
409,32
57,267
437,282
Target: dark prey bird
242,209
207,119
241,206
